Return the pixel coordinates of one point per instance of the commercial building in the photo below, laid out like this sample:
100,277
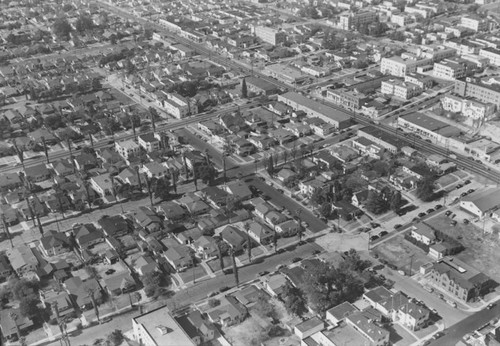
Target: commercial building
261,86
423,81
353,20
159,328
400,89
286,74
492,54
484,90
399,67
459,280
381,138
312,108
481,203
270,35
178,106
402,19
449,69
428,127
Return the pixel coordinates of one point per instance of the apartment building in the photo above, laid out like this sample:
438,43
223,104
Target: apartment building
492,54
449,69
474,23
422,80
270,35
353,20
399,67
400,89
468,107
178,106
484,90
127,148
402,19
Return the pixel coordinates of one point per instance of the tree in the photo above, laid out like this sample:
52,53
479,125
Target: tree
161,188
425,189
244,89
28,307
264,308
246,226
220,253
293,299
84,23
61,28
325,210
353,262
116,337
270,165
375,203
395,202
153,114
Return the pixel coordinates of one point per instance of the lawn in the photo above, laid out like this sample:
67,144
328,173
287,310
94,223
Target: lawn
481,251
401,253
215,264
446,180
193,273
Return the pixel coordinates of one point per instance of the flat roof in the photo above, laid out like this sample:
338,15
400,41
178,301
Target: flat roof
375,132
163,328
313,105
424,121
345,335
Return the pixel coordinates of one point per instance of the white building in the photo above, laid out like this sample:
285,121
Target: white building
476,24
468,107
270,35
402,19
178,106
449,69
481,203
400,89
492,54
127,148
399,67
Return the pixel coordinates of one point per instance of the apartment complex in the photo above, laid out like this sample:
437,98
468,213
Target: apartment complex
485,90
127,148
399,67
400,89
468,107
179,106
270,35
492,54
449,69
353,20
474,23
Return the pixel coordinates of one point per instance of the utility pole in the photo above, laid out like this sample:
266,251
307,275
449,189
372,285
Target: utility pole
411,263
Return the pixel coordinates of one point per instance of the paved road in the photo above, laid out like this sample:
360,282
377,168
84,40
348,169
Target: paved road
468,325
201,289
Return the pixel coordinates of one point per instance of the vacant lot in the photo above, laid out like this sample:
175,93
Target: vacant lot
402,253
481,251
446,180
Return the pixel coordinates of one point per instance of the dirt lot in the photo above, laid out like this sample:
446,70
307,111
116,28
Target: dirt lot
481,251
399,252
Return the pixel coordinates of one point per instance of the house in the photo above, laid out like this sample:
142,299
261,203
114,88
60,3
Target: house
239,190
79,291
359,198
9,181
262,209
114,226
63,168
228,312
234,238
288,228
413,316
171,211
53,243
155,170
338,313
308,187
51,298
215,196
87,235
12,323
145,265
275,284
180,257
423,233
197,328
158,327
85,161
119,283
261,233
459,280
309,327
437,251
149,142
23,260
130,176
286,175
205,246
111,256
37,173
147,219
481,203
275,218
196,207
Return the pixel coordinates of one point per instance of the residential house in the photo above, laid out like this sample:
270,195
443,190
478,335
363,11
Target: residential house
275,218
375,335
12,323
114,226
338,313
85,161
288,228
309,327
37,173
51,298
286,175
275,284
482,202
180,257
111,256
119,283
63,168
308,187
171,211
261,233
23,260
234,238
215,196
197,328
127,148
239,190
54,243
9,181
149,142
5,268
130,176
228,312
413,316
87,235
423,233
79,291
205,246
145,265
262,209
147,219
102,184
155,170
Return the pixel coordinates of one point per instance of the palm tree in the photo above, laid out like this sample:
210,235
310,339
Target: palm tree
132,122
300,234
90,294
246,226
275,239
150,190
186,170
45,149
174,176
6,229
20,153
219,254
235,268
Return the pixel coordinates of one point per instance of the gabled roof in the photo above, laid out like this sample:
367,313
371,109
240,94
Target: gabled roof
113,224
54,239
341,311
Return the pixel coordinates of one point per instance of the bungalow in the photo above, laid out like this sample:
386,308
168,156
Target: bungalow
309,327
228,312
171,211
239,190
53,243
114,226
12,322
197,207
51,299
234,238
23,260
147,219
286,175
145,265
130,177
205,246
79,291
359,198
215,196
63,168
9,181
85,161
275,284
275,218
197,328
261,233
262,209
87,235
338,313
119,283
180,257
37,173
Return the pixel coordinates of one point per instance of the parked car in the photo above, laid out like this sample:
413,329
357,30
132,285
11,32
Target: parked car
453,223
490,306
383,233
448,213
262,273
467,182
296,259
437,207
398,226
463,194
374,237
430,210
459,186
422,214
470,191
466,221
315,252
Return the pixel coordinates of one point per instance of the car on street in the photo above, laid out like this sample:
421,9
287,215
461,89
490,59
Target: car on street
459,186
467,182
109,271
437,207
302,242
383,233
448,213
280,251
374,237
315,252
466,221
422,214
470,191
463,194
296,259
430,210
490,306
262,273
397,226
453,223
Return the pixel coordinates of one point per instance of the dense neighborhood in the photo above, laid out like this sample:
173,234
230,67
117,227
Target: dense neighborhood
249,173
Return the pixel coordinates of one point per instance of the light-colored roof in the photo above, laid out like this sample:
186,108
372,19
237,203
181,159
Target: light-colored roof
485,200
